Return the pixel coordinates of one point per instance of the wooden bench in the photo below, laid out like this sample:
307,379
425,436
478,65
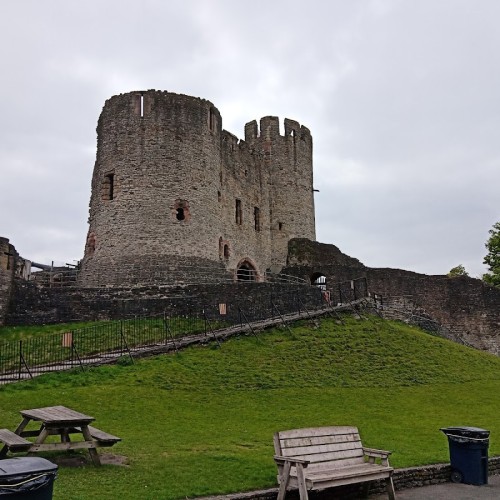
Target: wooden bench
103,438
323,457
100,438
12,442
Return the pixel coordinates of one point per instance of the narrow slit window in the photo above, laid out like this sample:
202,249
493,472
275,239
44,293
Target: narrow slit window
211,119
238,212
256,216
108,187
142,105
111,179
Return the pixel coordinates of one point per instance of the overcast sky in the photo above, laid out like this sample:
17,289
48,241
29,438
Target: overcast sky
402,98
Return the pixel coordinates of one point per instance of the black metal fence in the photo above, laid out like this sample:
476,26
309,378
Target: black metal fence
109,340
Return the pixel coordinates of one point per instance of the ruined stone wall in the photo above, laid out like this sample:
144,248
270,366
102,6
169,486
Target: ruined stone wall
32,305
466,306
166,183
309,260
8,256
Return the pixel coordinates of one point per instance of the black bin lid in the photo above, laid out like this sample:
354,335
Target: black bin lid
24,467
464,431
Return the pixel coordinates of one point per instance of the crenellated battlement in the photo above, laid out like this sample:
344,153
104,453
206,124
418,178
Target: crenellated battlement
269,130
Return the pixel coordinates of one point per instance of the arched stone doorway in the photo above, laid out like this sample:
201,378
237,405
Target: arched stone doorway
246,271
319,280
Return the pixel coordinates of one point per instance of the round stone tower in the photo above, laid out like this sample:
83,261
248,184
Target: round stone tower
175,199
154,204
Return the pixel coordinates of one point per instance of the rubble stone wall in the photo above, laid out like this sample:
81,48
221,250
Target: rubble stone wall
34,305
466,306
8,256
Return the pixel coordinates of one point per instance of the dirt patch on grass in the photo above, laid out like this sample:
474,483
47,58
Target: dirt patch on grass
110,459
77,460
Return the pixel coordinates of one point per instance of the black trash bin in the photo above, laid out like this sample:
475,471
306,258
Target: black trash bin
468,454
27,478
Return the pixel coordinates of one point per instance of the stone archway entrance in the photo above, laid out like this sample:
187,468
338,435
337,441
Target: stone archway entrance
246,272
319,280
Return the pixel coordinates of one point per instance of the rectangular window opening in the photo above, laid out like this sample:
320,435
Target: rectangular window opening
108,185
238,212
211,119
256,216
142,105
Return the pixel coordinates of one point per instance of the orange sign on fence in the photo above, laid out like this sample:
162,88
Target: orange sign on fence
67,339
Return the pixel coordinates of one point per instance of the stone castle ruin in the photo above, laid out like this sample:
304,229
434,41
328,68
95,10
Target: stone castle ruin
177,198
181,208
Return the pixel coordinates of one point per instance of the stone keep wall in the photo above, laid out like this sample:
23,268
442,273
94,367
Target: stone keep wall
167,181
8,257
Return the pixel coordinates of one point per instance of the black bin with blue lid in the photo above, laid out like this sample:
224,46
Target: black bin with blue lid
468,454
27,478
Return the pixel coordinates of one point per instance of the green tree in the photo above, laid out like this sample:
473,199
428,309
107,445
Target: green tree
492,259
458,271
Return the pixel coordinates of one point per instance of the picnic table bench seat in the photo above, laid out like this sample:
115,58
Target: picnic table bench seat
322,457
12,441
103,438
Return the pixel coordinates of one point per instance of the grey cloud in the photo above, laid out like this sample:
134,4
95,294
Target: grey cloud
400,97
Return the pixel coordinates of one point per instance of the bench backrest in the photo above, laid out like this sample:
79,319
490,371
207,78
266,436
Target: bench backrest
323,447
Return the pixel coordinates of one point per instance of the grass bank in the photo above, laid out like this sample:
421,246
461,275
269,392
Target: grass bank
201,421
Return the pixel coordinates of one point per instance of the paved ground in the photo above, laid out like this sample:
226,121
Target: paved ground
450,491
445,491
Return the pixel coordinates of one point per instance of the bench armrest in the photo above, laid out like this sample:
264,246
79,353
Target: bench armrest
293,461
372,452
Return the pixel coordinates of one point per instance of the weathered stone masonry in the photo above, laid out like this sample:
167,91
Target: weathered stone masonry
34,305
175,197
8,256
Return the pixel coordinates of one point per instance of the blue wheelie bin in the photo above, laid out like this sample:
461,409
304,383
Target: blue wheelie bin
27,478
468,454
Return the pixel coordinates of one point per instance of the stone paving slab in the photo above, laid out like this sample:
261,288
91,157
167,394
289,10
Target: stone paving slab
443,491
450,491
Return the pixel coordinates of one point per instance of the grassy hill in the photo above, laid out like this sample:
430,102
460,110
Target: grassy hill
201,421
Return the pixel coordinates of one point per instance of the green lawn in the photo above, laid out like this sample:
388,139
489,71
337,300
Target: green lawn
15,333
201,422
43,344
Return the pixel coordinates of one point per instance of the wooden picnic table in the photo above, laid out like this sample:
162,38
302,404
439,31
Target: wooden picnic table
60,421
